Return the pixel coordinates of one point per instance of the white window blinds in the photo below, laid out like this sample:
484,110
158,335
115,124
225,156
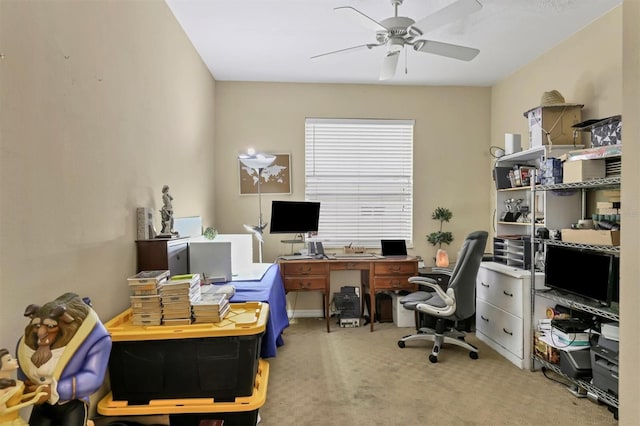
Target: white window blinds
361,171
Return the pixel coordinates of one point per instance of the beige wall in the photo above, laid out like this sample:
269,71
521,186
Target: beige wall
450,147
451,141
102,104
630,267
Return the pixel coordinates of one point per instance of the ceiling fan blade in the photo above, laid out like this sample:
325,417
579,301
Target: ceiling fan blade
360,18
389,65
447,14
446,49
348,49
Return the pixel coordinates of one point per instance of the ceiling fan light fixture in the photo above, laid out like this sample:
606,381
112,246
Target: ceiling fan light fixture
395,45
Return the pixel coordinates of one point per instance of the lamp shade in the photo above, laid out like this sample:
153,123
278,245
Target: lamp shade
257,161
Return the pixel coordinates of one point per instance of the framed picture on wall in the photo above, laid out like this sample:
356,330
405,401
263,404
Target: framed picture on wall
275,179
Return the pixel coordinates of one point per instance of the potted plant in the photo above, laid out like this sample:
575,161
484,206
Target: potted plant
440,237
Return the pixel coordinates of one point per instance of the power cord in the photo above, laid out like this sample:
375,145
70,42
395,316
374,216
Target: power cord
562,382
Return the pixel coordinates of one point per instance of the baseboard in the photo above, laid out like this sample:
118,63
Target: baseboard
305,313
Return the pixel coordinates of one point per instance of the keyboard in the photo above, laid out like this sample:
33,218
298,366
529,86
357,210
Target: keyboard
296,257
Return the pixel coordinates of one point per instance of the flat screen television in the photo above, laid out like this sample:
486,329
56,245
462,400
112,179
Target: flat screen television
294,217
586,273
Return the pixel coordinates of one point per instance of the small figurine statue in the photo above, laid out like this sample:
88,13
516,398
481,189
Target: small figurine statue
12,396
167,213
65,352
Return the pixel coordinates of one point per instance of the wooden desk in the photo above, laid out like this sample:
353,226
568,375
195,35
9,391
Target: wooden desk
375,273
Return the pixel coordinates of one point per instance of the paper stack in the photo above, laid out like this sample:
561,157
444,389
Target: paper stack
212,307
145,296
563,339
177,295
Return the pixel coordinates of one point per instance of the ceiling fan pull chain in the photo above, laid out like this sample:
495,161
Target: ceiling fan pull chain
406,67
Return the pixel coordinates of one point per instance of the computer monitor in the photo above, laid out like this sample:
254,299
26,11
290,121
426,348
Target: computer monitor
294,217
586,273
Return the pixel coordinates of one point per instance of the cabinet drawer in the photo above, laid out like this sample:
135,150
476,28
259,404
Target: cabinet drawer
501,290
303,268
500,326
394,283
396,268
304,283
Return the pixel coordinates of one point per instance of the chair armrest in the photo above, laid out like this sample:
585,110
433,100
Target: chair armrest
422,280
430,282
448,298
443,271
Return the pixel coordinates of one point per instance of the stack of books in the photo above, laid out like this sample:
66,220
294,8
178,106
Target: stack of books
212,307
177,294
145,297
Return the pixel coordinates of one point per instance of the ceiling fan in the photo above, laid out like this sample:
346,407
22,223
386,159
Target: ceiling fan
399,31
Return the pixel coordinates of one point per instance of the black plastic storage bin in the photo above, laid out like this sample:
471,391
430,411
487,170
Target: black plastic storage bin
216,360
182,412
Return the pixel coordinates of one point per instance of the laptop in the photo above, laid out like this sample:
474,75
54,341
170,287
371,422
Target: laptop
394,248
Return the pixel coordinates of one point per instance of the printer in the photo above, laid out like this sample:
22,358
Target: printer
604,365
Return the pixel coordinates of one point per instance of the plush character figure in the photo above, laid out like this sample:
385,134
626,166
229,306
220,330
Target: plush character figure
66,348
12,396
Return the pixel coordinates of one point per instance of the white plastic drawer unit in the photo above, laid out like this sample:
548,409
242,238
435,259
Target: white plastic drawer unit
502,327
501,290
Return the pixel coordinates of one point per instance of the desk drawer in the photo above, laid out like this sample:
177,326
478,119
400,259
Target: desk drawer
500,326
303,268
500,290
396,268
350,265
304,283
394,283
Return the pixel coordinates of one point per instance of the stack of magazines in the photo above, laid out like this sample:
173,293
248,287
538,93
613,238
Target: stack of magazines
177,294
145,297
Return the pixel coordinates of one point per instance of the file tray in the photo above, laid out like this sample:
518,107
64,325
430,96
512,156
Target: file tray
242,411
208,360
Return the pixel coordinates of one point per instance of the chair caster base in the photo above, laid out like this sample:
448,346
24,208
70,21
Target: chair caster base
400,343
433,358
473,355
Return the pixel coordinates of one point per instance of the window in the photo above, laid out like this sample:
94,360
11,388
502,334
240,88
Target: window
361,171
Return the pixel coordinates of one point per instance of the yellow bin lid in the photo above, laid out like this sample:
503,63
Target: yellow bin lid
243,319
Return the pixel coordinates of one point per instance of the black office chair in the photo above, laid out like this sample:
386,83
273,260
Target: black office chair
456,304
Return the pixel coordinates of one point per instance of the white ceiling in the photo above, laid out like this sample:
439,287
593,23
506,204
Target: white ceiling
273,40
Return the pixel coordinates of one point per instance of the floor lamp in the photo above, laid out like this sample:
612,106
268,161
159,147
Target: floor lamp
257,162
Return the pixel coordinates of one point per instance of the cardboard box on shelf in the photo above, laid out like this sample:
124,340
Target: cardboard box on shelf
583,170
545,351
557,120
591,236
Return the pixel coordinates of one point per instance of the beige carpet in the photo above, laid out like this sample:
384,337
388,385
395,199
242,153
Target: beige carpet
354,377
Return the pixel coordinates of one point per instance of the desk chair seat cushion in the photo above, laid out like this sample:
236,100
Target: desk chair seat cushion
436,301
411,300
